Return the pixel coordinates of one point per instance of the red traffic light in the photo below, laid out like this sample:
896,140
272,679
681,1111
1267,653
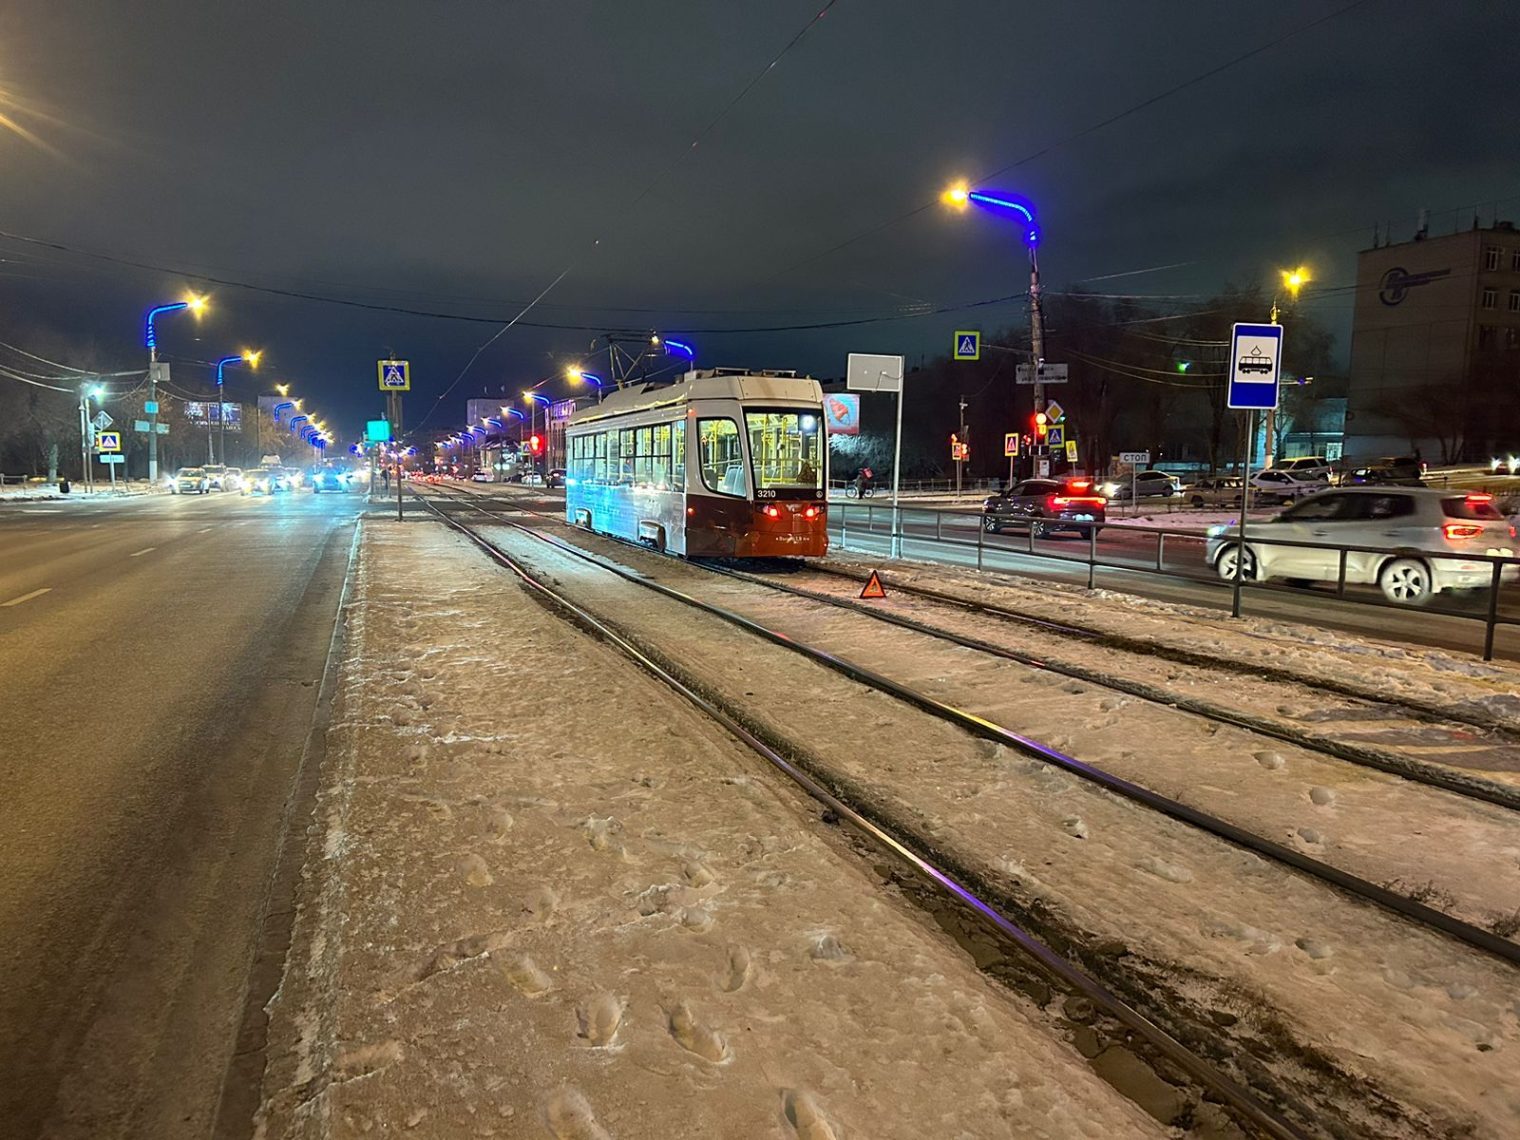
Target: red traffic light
536,444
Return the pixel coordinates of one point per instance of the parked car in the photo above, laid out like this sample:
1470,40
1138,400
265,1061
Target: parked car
555,478
1274,485
1311,467
1404,526
1047,505
1219,491
190,481
1405,466
1144,485
1381,477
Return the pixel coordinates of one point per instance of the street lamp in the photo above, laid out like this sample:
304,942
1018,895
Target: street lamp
1292,280
960,196
533,399
252,360
150,340
86,391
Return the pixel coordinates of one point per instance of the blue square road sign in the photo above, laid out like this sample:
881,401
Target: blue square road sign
1254,365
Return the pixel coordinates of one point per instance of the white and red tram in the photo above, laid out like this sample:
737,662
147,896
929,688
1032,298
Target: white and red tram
720,463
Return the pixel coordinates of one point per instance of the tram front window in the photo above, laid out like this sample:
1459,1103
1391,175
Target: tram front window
787,448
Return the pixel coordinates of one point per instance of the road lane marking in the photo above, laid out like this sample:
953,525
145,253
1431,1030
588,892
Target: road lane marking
26,597
41,510
144,550
203,530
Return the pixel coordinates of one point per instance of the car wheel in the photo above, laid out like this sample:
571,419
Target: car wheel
1406,581
990,524
1198,501
1226,564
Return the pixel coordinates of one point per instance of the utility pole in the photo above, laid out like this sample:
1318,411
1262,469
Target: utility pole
1037,354
961,449
84,436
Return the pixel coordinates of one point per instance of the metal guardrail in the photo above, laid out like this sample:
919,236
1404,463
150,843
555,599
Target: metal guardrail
1024,535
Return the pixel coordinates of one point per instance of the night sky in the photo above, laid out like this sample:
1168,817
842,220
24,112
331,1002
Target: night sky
457,157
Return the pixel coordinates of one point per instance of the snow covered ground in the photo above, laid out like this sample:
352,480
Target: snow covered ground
545,898
1398,1030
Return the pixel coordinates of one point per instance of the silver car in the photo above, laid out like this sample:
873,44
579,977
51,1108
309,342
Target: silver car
1404,526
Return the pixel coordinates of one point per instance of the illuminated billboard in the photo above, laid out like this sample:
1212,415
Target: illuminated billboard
841,411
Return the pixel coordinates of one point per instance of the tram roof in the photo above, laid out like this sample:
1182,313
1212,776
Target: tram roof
706,384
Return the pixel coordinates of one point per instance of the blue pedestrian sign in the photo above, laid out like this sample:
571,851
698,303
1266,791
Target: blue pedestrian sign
968,344
1255,363
395,375
1055,436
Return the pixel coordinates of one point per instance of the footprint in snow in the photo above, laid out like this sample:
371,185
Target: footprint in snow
496,823
1314,948
806,1116
569,1117
695,1037
696,919
1322,797
1271,761
599,832
475,871
1171,872
526,976
541,903
737,970
697,873
828,948
599,1019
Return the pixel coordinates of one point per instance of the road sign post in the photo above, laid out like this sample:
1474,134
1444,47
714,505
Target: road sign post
968,344
1255,364
1135,460
870,372
1011,451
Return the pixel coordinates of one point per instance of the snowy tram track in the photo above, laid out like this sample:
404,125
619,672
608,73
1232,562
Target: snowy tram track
1309,993
1412,849
1250,1109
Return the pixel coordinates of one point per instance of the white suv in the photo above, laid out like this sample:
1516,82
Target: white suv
1405,526
1306,466
1274,485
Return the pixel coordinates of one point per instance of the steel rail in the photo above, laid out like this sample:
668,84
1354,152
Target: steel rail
1226,1088
1354,885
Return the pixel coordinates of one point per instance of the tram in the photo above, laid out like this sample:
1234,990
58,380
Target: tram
720,463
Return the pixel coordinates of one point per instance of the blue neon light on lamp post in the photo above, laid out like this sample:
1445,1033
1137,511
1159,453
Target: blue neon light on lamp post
150,340
1022,211
221,405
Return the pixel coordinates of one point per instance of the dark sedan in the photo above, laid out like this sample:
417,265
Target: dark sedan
1382,477
1047,505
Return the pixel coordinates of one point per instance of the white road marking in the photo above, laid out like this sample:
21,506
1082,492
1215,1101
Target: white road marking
26,597
41,511
203,530
144,550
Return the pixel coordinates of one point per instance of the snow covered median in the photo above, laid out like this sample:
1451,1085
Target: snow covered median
545,898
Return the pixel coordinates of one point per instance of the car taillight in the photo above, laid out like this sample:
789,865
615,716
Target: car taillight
1077,501
810,513
1480,497
1461,530
773,511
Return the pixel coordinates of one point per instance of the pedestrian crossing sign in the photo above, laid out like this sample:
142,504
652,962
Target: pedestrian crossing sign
1055,436
395,375
968,344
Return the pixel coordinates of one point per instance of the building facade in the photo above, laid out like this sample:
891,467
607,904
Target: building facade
1435,347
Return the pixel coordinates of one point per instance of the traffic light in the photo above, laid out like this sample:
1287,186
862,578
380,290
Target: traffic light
1041,426
536,444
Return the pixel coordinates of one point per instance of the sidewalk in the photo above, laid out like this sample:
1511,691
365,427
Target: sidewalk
544,897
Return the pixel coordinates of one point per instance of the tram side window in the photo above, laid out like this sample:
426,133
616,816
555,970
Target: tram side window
678,455
722,456
599,457
626,453
643,456
659,457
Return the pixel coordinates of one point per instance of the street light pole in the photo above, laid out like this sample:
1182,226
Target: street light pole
1293,280
195,304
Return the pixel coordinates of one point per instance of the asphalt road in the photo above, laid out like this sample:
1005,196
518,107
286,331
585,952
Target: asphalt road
160,664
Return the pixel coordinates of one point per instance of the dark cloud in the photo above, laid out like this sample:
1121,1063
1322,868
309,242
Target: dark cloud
459,154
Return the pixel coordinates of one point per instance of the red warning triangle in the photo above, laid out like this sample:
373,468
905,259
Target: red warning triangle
873,588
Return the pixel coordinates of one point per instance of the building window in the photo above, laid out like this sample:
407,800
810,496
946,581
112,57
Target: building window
1511,340
1514,260
1486,336
1492,255
1490,298
1514,300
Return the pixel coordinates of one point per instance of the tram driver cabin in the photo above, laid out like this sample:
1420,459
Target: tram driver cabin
719,463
